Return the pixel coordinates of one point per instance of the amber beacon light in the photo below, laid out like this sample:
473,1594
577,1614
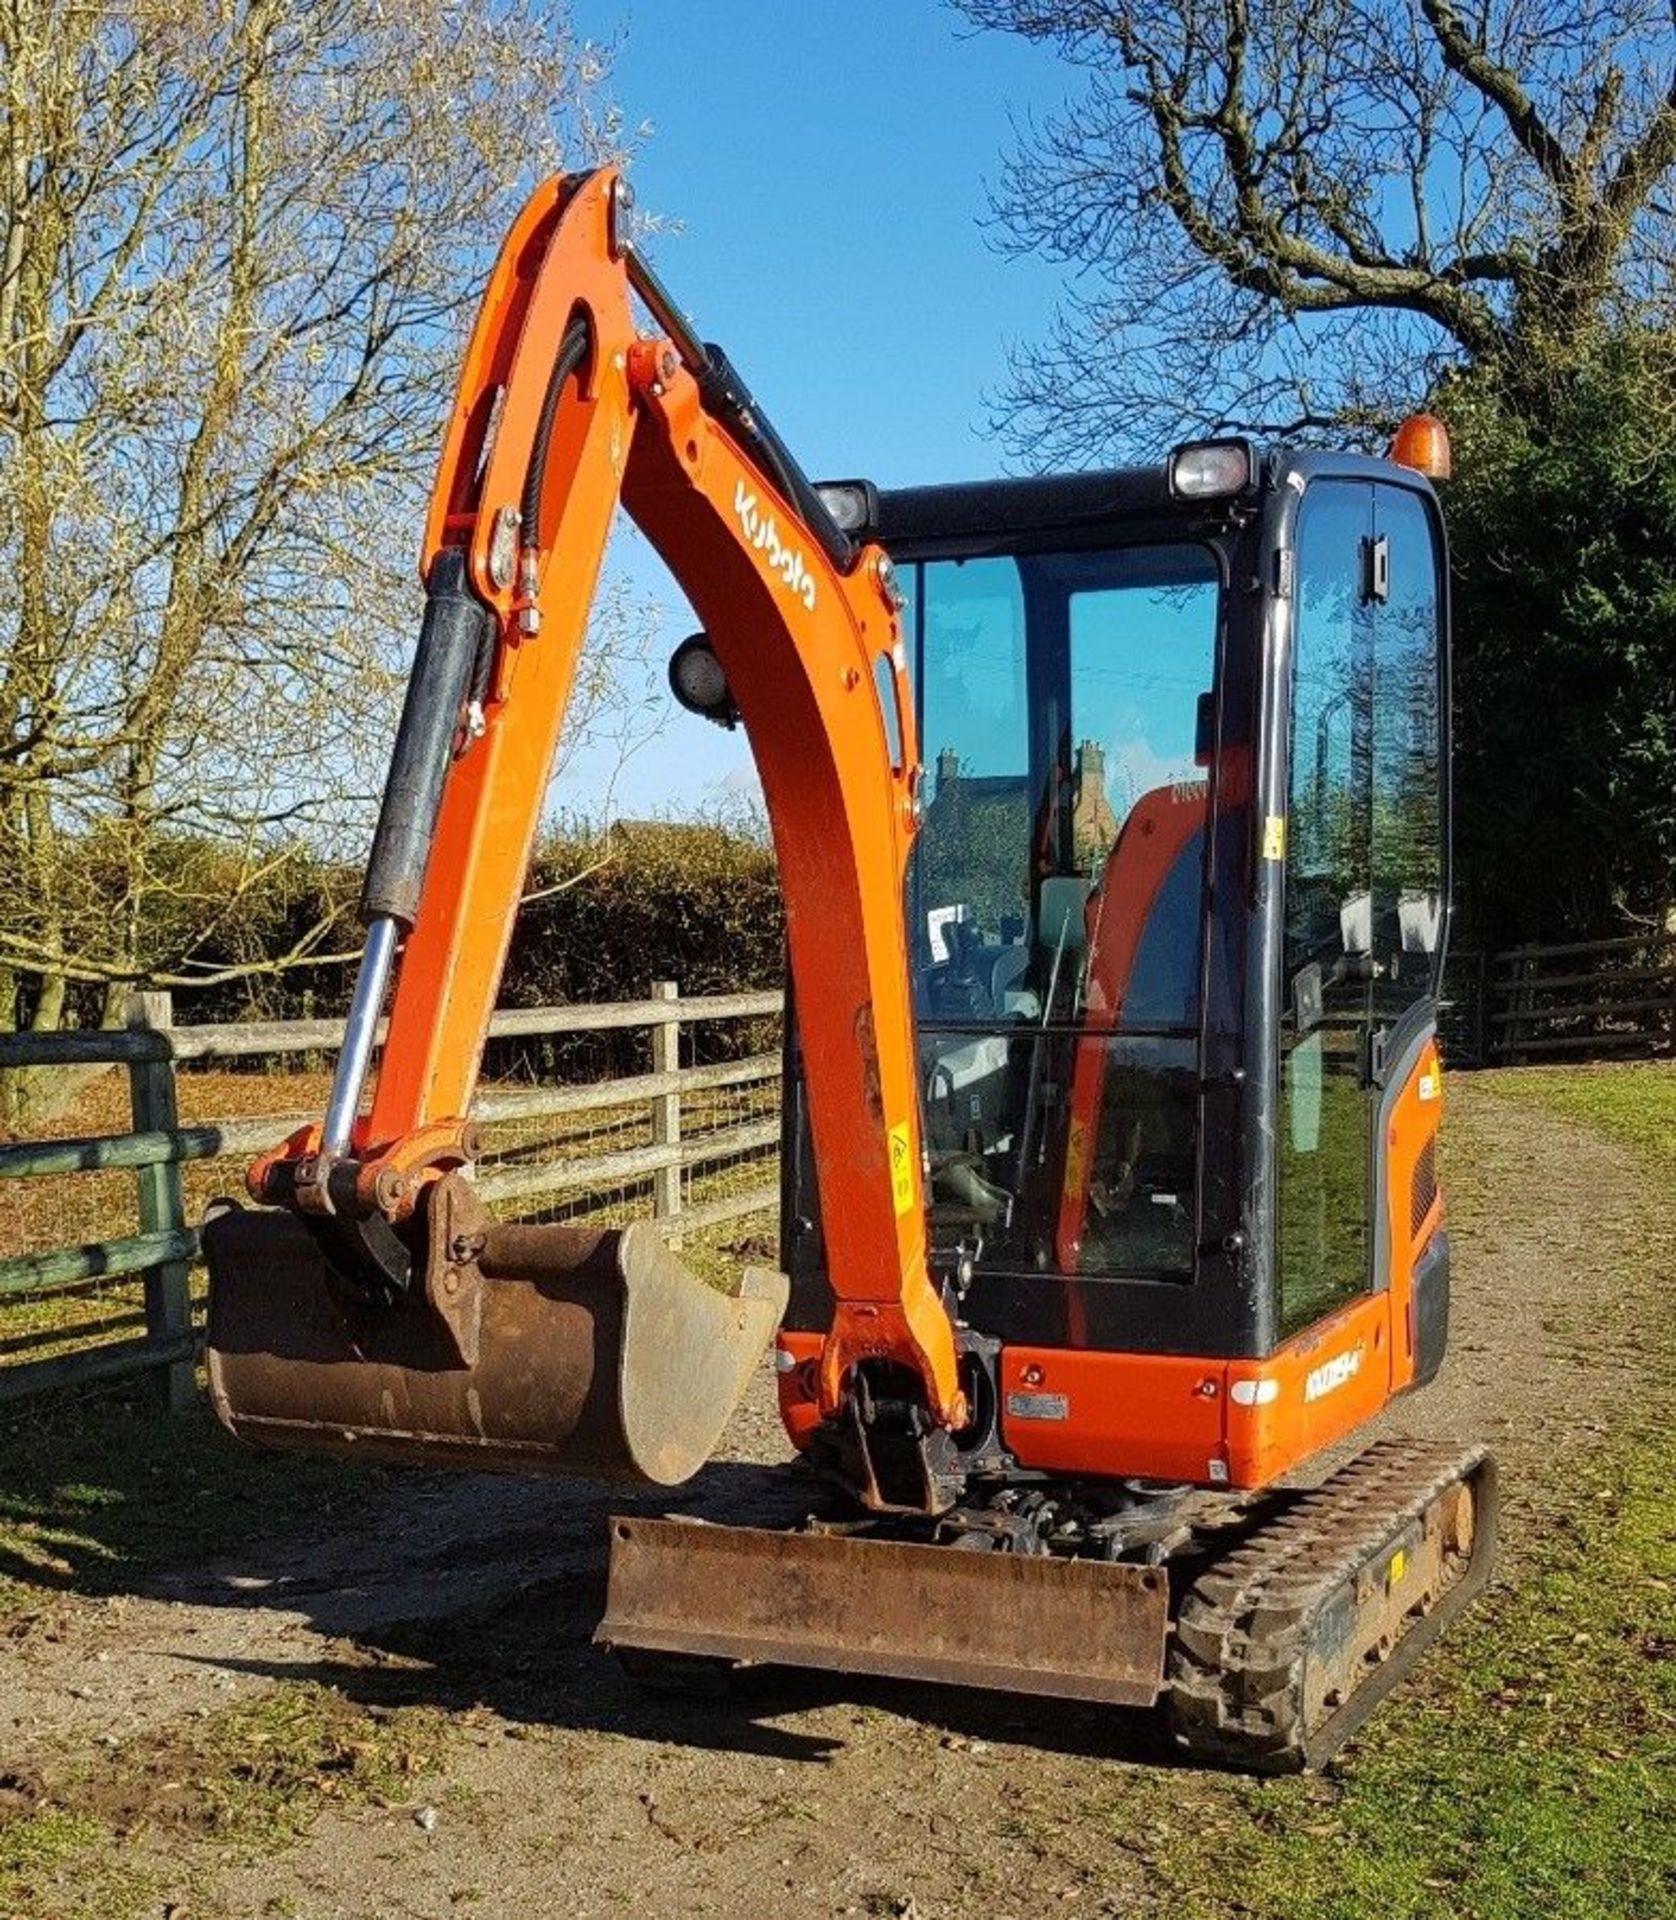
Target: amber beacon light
1422,442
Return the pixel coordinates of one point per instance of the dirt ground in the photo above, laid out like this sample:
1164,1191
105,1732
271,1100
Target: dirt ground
561,1789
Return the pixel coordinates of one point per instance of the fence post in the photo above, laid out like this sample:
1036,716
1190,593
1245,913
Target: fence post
1523,1005
162,1204
666,1111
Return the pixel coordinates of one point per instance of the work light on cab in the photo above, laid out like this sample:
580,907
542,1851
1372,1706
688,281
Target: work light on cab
697,680
1210,469
853,504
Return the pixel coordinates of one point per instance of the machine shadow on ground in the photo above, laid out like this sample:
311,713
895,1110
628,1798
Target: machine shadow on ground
573,1685
485,1592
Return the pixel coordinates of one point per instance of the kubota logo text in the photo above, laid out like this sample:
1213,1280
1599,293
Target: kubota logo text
1333,1373
764,535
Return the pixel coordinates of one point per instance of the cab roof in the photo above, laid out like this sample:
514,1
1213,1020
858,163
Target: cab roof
1036,512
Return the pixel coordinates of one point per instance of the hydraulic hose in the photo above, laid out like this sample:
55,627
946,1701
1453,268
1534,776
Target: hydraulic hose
729,400
573,351
450,668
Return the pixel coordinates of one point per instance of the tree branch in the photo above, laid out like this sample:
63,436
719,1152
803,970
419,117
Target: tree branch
1499,85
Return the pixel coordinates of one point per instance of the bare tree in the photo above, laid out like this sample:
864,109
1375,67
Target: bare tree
238,245
1288,215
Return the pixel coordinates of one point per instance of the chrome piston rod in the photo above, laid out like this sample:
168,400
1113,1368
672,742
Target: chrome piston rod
454,640
360,1034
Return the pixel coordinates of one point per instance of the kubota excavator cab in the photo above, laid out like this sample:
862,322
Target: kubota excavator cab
1177,911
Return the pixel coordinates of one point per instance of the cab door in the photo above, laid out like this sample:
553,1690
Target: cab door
1325,1114
1366,873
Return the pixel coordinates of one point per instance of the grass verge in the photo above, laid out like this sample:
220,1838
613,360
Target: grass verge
1635,1105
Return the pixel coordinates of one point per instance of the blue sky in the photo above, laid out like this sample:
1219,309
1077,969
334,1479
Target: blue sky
827,162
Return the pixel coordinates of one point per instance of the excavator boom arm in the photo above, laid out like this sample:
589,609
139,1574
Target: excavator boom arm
563,409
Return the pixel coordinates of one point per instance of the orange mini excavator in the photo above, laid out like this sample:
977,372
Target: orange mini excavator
1112,1087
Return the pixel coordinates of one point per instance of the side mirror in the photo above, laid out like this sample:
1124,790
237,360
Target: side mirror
1061,920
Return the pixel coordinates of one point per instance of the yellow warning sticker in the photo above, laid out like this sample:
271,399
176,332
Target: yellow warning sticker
1399,1566
1076,1156
902,1169
1274,837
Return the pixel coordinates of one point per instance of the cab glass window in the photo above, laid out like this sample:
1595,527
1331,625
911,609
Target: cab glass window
1057,900
1407,825
1325,1141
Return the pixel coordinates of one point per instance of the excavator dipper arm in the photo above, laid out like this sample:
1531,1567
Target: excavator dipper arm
564,408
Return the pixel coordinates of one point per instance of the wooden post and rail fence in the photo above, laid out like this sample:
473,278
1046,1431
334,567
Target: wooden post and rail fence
163,1250
1580,999
1602,998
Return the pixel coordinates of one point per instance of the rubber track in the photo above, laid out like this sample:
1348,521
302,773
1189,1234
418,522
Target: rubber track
1244,1629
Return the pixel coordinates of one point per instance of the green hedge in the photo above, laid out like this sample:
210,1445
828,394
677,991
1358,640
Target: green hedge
607,913
610,913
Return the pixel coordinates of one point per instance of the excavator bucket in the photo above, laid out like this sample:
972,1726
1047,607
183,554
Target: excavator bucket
558,1349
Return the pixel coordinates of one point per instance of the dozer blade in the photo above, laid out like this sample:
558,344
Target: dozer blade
1071,1629
531,1348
